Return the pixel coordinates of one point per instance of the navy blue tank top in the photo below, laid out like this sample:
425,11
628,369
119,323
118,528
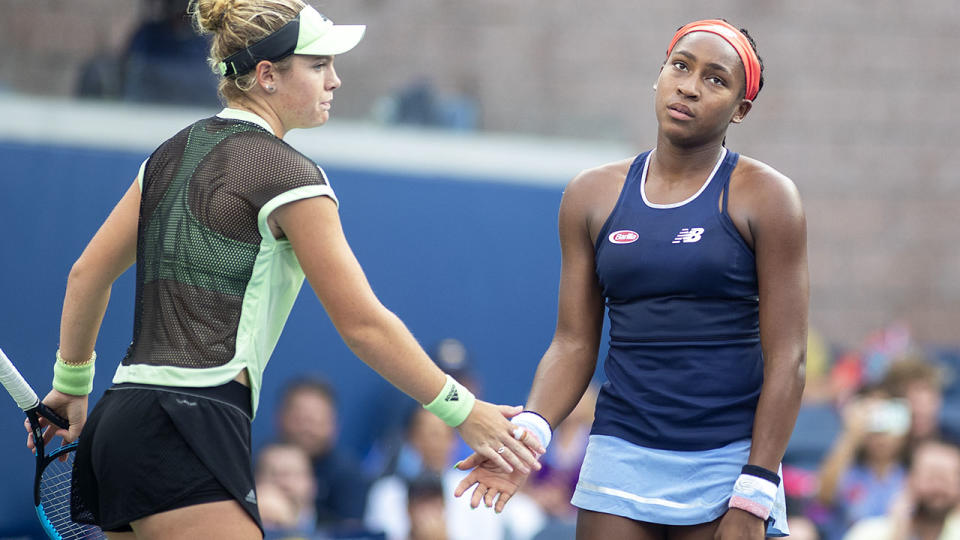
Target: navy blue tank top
684,368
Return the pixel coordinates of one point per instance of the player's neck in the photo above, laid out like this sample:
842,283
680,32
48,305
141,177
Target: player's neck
262,110
669,161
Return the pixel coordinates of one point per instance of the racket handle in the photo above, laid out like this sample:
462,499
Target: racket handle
52,416
18,388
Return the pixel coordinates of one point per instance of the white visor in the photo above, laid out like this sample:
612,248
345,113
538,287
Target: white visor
320,37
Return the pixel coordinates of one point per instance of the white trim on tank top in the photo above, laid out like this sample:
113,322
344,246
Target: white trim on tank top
643,182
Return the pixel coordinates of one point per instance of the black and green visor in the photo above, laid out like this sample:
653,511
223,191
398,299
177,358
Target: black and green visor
308,33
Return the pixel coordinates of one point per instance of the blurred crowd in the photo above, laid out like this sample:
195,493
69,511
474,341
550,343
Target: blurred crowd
874,456
874,453
309,486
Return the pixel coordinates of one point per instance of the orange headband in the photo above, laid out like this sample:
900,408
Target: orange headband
751,64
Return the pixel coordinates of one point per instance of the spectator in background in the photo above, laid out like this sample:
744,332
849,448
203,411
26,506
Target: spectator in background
286,468
307,418
432,445
920,383
391,453
425,508
802,528
429,444
926,509
277,512
863,473
419,103
166,60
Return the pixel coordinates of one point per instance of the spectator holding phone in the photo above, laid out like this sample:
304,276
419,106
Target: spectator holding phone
920,382
863,472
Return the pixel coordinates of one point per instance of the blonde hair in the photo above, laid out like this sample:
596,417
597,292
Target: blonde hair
235,25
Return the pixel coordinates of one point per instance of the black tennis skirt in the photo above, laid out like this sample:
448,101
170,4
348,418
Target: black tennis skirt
147,449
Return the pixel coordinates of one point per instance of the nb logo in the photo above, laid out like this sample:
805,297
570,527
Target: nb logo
687,236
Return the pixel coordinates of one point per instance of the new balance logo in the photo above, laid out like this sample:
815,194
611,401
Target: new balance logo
686,236
452,395
251,497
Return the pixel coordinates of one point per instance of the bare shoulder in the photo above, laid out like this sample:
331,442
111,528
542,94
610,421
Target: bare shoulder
757,182
592,194
595,177
597,188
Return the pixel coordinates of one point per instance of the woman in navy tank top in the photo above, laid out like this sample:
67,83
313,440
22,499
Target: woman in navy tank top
698,255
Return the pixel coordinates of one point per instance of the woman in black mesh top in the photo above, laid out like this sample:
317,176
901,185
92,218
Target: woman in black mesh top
223,221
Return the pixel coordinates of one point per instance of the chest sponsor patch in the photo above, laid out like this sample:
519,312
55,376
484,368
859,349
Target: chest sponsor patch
623,237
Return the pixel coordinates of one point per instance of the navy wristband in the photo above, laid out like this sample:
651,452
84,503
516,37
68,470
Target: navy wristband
760,472
541,417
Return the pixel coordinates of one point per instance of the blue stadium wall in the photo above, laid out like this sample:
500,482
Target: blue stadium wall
476,258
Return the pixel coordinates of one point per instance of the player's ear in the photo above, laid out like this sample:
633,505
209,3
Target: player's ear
267,75
742,109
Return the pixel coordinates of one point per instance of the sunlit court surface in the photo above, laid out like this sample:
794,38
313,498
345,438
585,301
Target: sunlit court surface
470,148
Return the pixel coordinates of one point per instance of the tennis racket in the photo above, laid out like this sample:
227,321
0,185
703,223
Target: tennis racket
51,484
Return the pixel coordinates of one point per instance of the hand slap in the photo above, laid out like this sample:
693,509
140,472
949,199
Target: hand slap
490,434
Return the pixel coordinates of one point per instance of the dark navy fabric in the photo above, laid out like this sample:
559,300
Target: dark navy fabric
684,368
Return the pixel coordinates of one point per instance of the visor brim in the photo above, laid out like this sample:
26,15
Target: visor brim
337,40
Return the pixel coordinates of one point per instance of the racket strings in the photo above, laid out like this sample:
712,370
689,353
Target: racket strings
55,496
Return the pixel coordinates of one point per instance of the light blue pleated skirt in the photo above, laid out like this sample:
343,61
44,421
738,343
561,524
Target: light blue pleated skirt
665,486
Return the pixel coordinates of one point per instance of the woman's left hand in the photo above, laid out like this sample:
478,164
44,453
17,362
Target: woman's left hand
488,431
737,524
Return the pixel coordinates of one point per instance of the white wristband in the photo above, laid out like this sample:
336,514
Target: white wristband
754,494
535,424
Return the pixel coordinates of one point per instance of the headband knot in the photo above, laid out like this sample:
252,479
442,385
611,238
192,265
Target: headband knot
739,42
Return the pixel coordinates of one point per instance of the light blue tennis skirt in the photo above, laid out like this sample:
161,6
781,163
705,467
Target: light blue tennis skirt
665,486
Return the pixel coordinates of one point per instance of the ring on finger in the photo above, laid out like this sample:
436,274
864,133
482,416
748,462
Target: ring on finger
502,449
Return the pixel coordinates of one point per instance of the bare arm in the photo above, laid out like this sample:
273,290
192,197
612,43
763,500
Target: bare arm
371,331
111,251
566,368
108,255
568,365
374,333
778,228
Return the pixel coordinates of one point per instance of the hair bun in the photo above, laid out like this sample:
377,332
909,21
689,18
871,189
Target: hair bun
209,15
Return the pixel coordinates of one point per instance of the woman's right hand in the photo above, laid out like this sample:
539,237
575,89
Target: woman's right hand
73,408
489,432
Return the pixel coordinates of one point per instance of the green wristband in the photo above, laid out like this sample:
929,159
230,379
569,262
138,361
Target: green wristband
73,379
453,404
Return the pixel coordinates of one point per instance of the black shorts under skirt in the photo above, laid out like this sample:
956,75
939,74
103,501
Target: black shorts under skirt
147,449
